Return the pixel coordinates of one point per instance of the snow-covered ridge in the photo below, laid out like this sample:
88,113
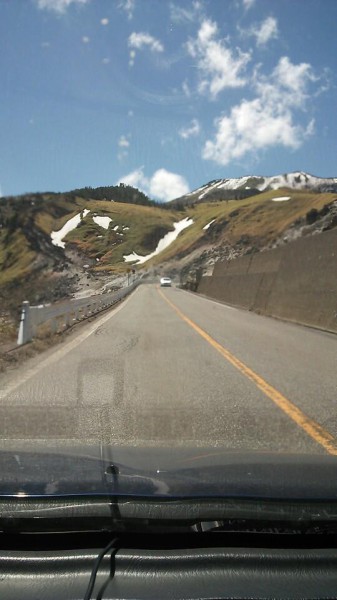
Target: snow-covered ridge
234,184
298,180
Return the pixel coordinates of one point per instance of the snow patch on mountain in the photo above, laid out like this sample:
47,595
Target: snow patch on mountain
57,236
170,237
209,224
102,221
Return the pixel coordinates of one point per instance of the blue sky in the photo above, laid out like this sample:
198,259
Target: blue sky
164,95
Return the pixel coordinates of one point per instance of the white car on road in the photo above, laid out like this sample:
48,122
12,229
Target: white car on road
165,282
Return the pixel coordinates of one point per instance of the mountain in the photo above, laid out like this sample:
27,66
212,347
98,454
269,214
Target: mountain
251,185
29,226
55,245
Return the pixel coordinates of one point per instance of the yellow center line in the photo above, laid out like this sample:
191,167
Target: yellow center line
313,429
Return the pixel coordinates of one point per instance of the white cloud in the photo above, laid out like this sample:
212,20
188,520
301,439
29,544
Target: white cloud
141,40
266,121
294,77
163,185
251,126
104,21
123,142
192,130
58,6
247,4
183,15
130,113
135,179
220,66
264,32
132,58
288,84
124,145
128,6
85,39
105,61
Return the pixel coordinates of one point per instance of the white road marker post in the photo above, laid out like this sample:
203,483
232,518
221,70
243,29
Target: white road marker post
25,330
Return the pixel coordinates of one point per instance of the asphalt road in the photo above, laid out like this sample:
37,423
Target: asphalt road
171,368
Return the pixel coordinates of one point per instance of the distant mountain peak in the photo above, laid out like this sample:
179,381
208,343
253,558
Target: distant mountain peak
249,185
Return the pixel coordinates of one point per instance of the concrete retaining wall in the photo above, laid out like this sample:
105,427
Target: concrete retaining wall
297,282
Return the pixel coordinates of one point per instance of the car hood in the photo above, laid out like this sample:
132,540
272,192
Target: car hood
165,473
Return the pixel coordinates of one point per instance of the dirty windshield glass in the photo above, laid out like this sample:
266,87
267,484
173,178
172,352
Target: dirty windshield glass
168,229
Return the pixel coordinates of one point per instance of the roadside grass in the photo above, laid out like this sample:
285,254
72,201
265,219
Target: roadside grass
8,328
13,359
16,257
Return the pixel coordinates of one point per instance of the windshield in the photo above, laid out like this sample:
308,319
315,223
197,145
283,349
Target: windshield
168,243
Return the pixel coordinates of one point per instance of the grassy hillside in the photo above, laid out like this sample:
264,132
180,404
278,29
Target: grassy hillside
139,230
258,220
264,220
27,222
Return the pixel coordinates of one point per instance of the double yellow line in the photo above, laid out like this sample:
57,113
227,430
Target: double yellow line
313,429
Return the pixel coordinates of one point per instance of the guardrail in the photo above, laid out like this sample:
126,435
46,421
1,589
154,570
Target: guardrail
62,315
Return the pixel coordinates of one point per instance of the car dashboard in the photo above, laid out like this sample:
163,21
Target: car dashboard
196,565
